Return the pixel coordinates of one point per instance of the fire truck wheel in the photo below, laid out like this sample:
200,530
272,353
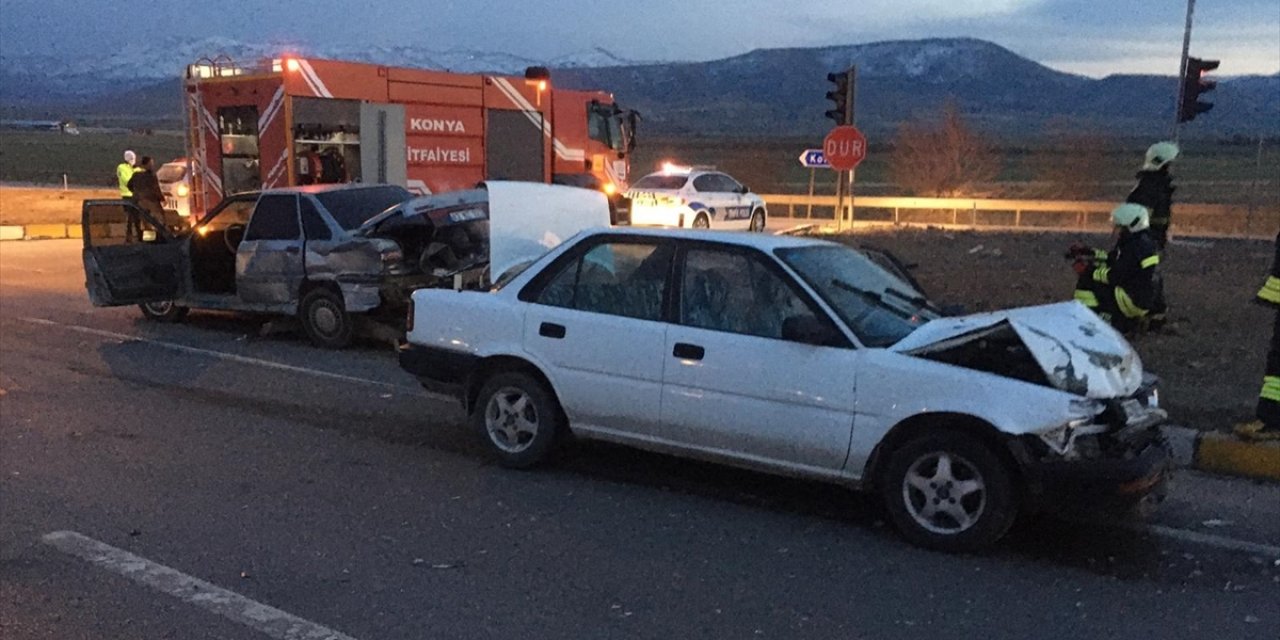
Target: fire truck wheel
325,319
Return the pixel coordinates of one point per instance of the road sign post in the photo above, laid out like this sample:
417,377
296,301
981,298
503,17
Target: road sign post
844,148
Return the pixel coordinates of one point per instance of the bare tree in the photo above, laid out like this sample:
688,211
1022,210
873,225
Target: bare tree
944,158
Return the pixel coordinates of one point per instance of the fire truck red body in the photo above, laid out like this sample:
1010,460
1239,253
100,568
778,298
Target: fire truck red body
294,120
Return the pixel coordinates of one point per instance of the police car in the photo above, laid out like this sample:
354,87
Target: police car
695,197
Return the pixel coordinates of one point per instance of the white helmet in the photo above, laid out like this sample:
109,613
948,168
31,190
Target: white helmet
130,156
1160,154
1133,217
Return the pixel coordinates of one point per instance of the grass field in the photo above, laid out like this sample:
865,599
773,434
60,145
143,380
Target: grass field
88,159
1216,172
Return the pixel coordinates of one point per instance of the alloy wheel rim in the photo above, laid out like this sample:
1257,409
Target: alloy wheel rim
511,420
160,308
701,222
944,493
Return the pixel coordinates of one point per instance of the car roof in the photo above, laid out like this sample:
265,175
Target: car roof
762,241
326,188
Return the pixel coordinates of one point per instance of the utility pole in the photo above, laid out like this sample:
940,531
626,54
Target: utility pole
1182,72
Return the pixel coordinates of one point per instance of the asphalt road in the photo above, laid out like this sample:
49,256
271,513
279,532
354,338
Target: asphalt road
281,480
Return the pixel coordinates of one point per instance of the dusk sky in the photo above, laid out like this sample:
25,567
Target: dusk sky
1092,37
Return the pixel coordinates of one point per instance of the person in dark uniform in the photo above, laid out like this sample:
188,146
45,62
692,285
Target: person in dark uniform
146,193
1155,189
1121,285
1267,424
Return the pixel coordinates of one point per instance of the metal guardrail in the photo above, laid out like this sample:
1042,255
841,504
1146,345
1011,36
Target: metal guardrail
1046,215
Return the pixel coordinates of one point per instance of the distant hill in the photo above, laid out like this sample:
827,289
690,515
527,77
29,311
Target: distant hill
777,92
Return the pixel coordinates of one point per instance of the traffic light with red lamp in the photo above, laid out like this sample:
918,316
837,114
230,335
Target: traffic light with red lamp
840,95
1195,85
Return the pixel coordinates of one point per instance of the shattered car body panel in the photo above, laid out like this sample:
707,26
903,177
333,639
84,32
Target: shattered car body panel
1075,349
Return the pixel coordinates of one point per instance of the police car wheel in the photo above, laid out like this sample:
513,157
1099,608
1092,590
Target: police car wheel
702,222
757,221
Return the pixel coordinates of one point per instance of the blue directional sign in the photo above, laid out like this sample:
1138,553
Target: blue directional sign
814,159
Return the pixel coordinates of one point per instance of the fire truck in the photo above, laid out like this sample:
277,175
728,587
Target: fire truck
293,120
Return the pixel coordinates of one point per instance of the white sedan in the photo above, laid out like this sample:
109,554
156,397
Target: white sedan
696,198
800,357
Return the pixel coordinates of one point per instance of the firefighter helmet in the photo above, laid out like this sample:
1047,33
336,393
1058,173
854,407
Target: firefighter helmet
1133,217
1160,154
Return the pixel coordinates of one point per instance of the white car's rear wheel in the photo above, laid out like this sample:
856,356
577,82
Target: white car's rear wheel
757,221
949,491
519,418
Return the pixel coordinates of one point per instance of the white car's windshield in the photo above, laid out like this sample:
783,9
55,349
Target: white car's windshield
661,181
878,306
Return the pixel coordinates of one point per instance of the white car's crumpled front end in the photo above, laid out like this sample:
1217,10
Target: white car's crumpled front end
1076,350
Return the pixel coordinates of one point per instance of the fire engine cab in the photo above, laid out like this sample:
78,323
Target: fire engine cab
295,121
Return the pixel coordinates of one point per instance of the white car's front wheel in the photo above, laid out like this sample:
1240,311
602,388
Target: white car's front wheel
702,221
519,418
949,491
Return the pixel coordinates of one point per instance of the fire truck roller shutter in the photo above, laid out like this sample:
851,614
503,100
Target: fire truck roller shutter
382,143
514,146
330,125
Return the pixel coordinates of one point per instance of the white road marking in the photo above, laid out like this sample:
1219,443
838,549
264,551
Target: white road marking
263,618
1199,537
222,355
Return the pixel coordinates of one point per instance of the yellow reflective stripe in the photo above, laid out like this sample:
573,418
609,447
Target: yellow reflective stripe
1127,307
1271,388
1150,261
1087,298
1270,291
1102,273
1100,254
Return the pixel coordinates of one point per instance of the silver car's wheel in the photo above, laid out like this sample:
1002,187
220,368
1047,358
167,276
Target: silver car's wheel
511,420
944,493
949,490
519,416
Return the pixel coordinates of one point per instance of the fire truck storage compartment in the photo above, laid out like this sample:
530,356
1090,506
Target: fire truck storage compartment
514,146
382,143
238,137
326,140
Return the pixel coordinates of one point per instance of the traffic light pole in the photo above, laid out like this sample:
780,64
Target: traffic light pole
1182,73
841,183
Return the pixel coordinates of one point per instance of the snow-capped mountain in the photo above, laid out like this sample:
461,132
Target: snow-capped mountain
146,60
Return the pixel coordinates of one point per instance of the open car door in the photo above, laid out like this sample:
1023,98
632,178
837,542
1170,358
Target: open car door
129,256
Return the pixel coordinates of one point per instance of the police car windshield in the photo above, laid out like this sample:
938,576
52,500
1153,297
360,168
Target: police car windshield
660,181
171,173
351,208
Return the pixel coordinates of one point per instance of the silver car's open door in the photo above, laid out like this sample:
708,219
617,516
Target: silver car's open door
129,257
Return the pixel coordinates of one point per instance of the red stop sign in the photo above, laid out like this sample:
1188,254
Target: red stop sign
844,148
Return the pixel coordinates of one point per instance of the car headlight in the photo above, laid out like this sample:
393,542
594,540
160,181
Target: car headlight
1061,437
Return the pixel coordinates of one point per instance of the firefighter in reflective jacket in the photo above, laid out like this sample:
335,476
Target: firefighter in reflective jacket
1155,189
1267,425
1122,285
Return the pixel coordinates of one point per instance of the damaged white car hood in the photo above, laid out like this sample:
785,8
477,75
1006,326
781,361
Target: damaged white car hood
527,219
1078,351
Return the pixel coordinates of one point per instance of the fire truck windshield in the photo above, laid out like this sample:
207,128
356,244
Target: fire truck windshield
605,125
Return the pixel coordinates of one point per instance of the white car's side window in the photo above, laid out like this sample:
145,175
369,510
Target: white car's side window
734,292
622,278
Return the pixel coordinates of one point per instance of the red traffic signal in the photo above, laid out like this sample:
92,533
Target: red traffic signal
1194,84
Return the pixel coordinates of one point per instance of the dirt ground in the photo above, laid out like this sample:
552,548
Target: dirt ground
1210,363
37,205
